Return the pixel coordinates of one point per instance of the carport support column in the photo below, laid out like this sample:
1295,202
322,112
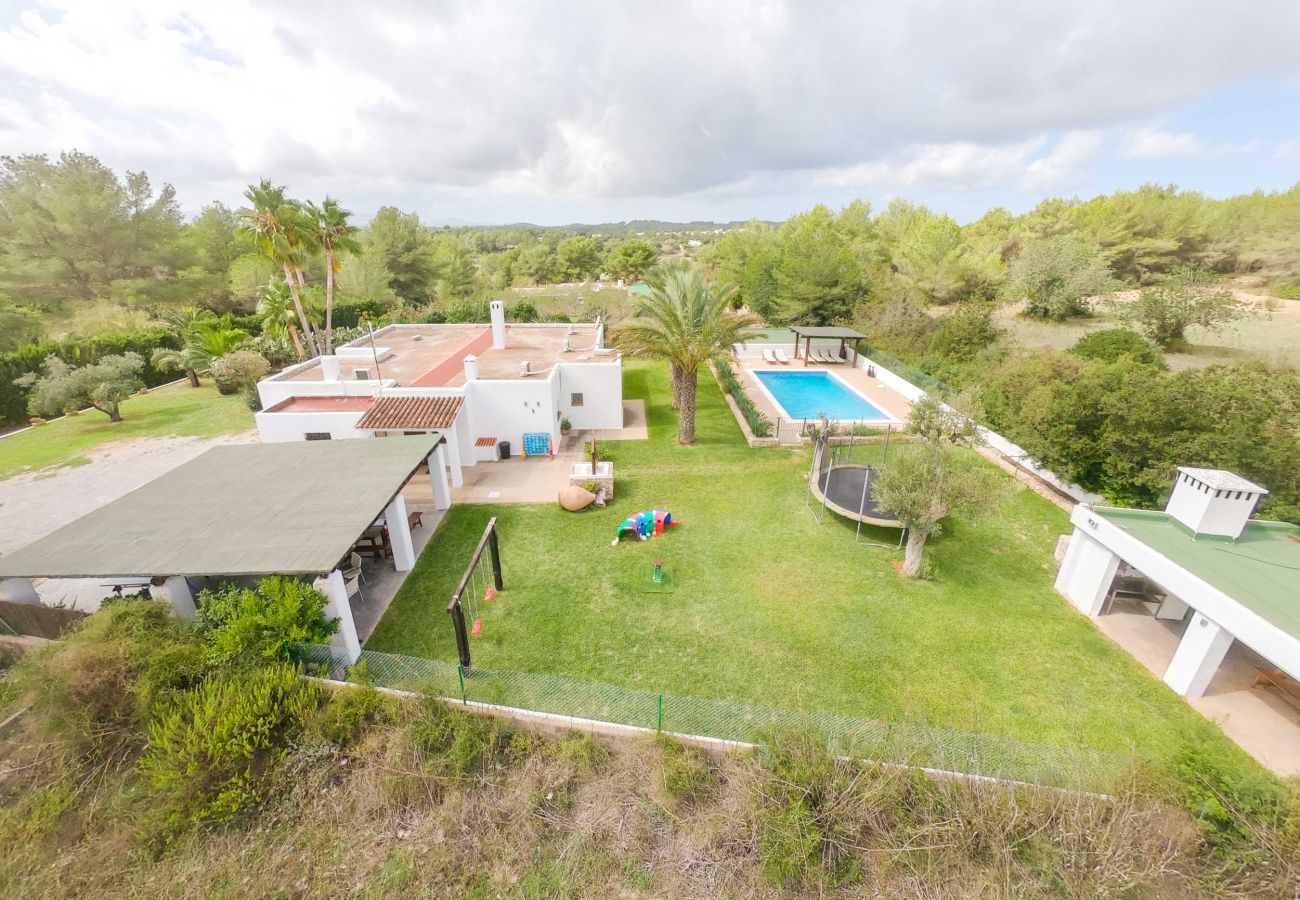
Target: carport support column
337,607
399,532
1086,573
452,448
438,475
178,592
1198,656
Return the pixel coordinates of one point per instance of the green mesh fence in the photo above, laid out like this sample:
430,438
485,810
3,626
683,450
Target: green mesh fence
890,742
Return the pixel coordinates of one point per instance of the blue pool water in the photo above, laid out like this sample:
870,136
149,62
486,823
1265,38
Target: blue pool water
806,395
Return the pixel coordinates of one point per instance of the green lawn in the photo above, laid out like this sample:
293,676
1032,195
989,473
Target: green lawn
173,411
773,608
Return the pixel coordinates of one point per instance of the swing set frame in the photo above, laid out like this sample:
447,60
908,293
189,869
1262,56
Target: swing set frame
476,584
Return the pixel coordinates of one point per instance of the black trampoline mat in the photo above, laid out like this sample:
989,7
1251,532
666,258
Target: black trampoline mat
842,486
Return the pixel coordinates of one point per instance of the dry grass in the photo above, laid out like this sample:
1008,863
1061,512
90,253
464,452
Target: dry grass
435,803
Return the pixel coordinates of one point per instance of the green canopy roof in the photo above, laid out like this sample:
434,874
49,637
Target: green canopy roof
1260,569
247,509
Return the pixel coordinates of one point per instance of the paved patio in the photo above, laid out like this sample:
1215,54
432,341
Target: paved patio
519,480
379,580
1261,722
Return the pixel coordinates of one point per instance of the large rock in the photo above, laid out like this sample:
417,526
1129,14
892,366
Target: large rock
576,497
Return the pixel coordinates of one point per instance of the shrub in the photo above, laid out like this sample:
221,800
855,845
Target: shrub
239,370
1112,344
350,712
962,335
99,685
209,750
243,625
523,311
758,423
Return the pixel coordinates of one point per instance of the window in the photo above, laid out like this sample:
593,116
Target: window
317,435
361,374
575,400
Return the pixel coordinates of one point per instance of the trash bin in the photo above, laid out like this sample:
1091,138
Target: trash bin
503,450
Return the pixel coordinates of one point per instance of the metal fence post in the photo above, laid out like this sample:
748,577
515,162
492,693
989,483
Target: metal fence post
460,673
660,726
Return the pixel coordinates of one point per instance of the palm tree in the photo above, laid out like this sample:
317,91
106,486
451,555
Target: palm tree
688,323
332,233
204,344
184,322
275,306
280,228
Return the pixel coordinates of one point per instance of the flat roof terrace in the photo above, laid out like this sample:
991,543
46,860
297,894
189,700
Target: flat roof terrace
434,355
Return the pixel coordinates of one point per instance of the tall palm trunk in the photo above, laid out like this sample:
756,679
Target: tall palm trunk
297,341
686,413
193,377
329,301
675,373
912,555
297,305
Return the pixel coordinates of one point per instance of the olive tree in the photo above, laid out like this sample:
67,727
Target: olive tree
1188,297
1056,275
102,385
926,482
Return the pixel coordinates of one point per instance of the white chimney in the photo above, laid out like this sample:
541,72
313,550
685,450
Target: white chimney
329,368
1213,501
498,311
471,368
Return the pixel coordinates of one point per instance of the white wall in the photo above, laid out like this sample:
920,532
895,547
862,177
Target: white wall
280,427
506,409
601,386
1086,572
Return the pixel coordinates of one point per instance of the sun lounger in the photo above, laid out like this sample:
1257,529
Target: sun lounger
824,356
781,357
769,356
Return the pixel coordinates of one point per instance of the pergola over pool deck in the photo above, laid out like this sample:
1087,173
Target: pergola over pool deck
295,508
808,333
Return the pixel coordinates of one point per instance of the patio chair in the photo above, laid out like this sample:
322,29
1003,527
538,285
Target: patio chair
354,567
781,357
769,356
353,586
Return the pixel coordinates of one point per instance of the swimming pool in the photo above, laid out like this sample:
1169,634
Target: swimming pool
806,395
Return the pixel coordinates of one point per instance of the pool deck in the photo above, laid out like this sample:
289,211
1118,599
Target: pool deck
885,398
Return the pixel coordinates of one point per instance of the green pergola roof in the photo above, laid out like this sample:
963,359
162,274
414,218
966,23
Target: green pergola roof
248,509
1260,569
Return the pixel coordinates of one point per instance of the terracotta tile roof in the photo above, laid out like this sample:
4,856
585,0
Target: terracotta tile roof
411,413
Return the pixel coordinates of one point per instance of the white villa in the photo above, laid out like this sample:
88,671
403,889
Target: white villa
478,385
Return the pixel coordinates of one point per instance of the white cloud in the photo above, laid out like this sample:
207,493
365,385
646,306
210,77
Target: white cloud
1152,143
417,103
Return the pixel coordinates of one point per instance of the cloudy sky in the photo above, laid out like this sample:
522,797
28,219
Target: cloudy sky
486,112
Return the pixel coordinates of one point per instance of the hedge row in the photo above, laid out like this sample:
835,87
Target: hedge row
758,423
76,352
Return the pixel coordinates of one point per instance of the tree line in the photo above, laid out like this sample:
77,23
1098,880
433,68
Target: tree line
84,251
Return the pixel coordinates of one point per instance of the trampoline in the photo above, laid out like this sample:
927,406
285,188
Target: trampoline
846,490
843,486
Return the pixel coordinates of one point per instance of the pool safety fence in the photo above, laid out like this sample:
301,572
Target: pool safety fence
894,742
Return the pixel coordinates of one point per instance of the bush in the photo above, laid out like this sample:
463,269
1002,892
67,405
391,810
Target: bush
758,423
100,684
1112,344
243,625
523,311
962,335
351,711
209,751
239,370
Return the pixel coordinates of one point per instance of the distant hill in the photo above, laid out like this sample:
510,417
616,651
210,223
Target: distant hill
631,227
